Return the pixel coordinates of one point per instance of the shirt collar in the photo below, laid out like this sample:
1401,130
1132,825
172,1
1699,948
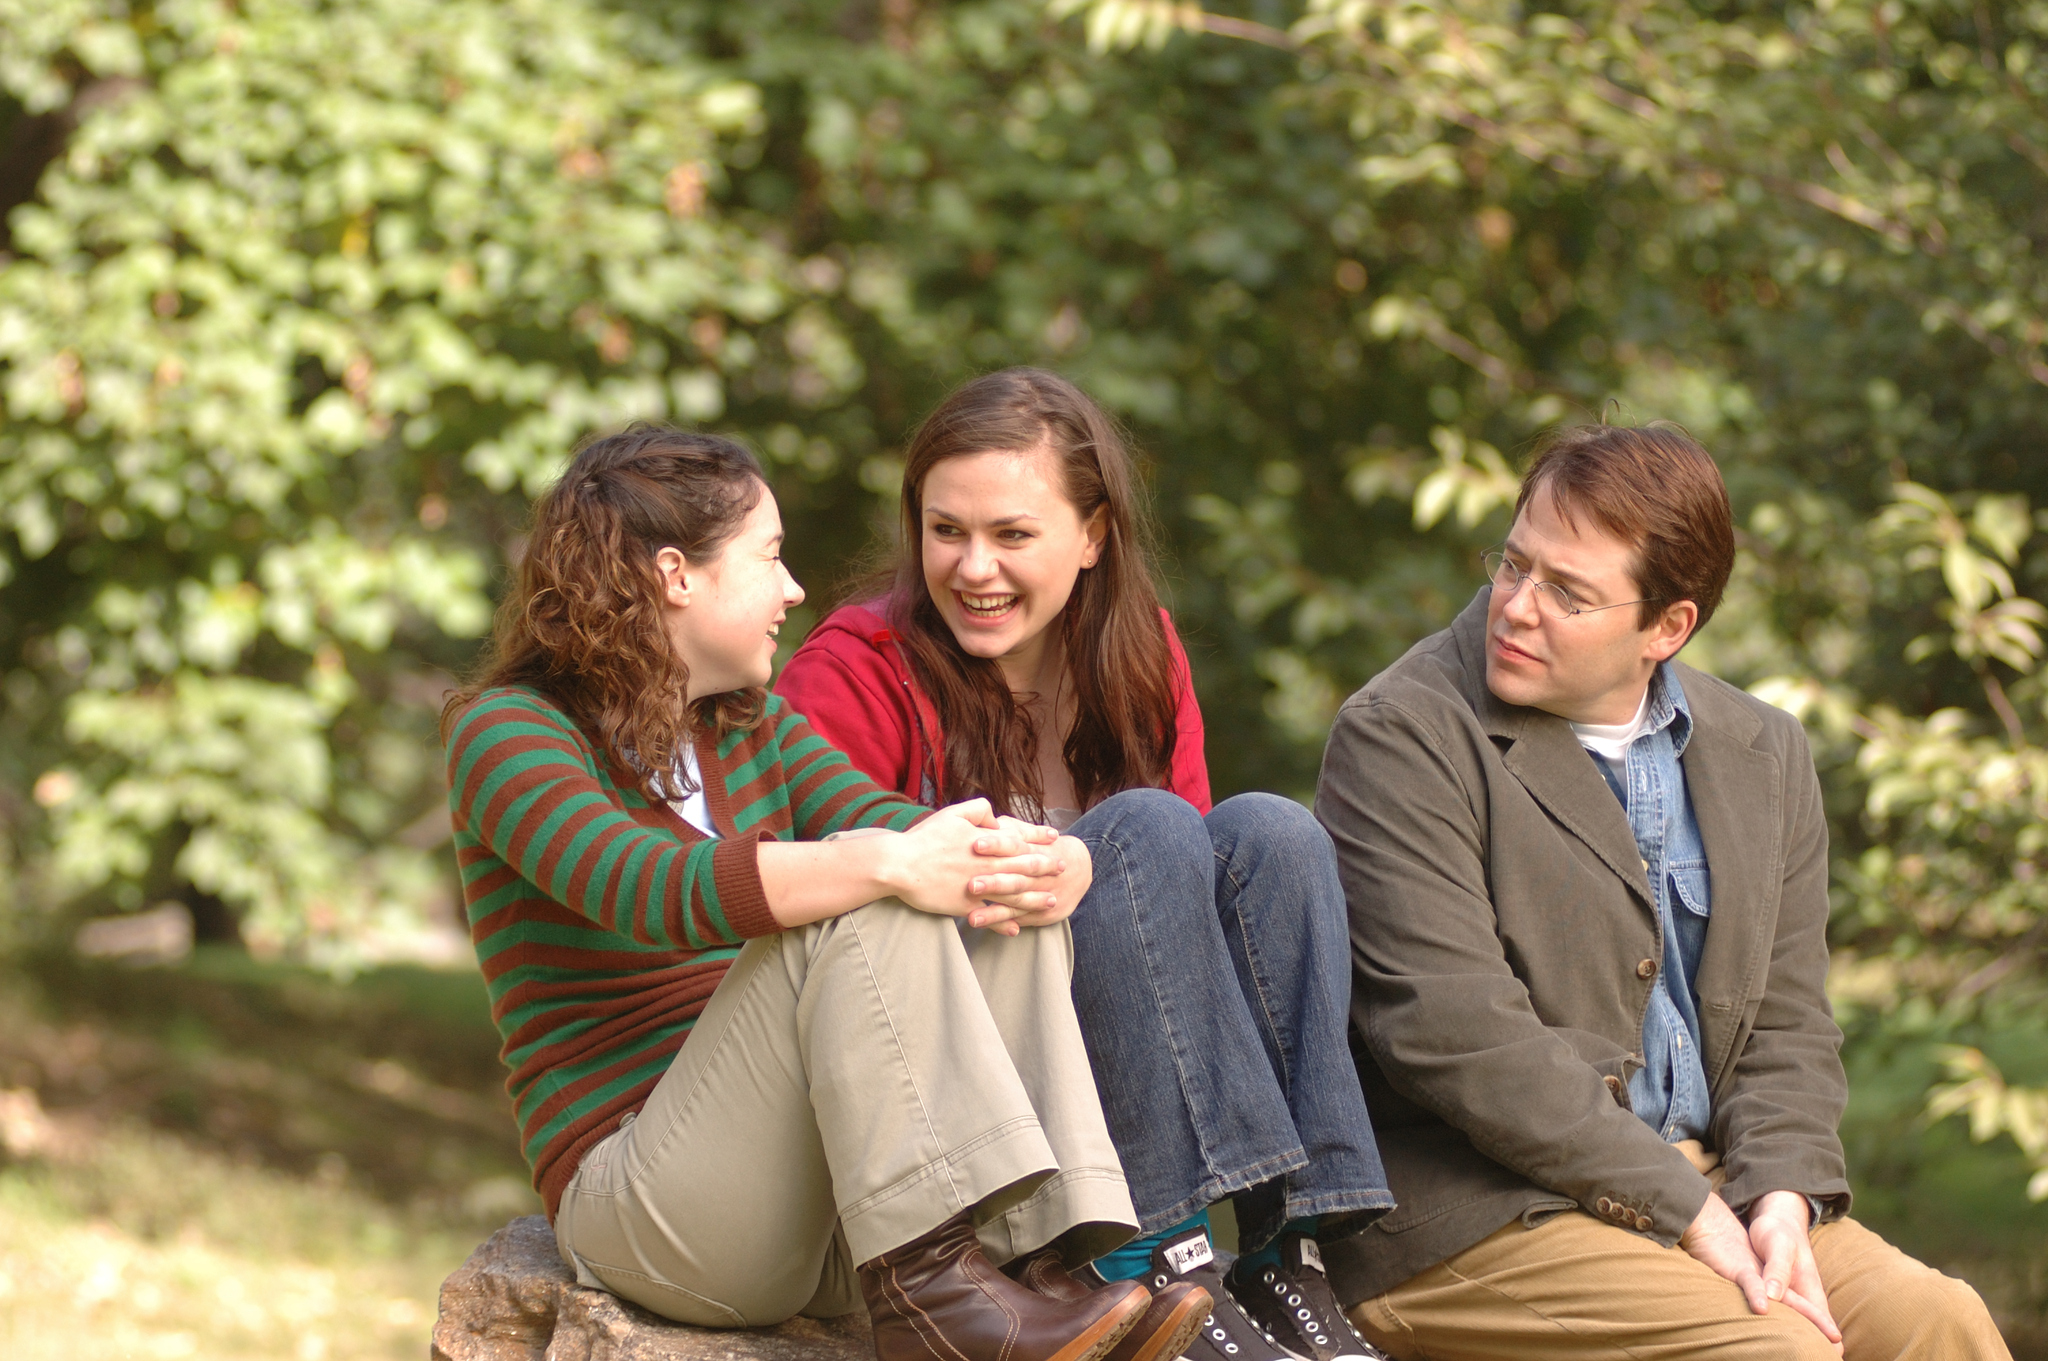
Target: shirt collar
1668,708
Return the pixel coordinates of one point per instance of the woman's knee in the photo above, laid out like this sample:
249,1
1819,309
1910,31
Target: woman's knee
1268,817
1248,828
1149,808
890,926
1145,818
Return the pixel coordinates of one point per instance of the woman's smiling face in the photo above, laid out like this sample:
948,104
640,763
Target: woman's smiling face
723,614
1002,549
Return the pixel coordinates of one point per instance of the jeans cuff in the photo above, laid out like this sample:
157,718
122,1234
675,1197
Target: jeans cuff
1274,1210
1221,1187
1360,1208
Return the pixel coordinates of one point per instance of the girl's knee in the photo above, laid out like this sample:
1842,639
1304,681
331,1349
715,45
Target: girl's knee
1147,804
1269,814
1140,816
892,928
1267,822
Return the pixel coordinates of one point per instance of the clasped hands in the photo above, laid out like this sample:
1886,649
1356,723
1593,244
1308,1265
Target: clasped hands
997,872
1770,1259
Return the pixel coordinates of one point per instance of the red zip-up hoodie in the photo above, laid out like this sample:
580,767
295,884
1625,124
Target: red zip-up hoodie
852,682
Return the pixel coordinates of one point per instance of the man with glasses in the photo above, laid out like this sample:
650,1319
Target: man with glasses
1588,894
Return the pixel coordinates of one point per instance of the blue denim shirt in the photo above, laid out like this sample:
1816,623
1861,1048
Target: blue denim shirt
1670,1091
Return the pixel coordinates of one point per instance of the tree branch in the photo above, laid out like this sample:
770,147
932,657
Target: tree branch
2002,706
1224,26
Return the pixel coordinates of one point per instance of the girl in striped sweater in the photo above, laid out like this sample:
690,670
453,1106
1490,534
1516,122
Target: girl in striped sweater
781,1041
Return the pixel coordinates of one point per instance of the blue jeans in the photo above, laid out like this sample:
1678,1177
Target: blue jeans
1212,976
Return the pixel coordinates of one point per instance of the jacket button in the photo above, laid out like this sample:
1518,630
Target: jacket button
1643,1223
1647,969
1604,1205
1613,1085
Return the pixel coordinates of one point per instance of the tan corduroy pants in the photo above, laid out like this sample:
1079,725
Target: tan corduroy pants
852,1085
1578,1287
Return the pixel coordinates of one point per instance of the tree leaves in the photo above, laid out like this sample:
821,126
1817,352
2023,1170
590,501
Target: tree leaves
269,308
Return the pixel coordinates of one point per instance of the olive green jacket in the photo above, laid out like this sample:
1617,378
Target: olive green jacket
1504,942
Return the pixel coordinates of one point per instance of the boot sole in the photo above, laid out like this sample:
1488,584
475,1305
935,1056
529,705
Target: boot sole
1103,1335
1181,1328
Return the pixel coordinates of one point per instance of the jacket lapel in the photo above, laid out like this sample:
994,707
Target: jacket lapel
1735,791
1559,774
1544,755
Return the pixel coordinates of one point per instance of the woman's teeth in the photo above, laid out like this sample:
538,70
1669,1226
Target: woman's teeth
986,606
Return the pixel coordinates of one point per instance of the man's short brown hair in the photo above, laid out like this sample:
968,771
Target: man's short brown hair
1654,488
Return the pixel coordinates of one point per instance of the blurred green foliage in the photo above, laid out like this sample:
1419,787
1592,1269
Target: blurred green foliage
307,298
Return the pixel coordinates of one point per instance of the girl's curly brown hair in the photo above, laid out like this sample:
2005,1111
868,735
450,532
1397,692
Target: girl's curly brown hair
583,624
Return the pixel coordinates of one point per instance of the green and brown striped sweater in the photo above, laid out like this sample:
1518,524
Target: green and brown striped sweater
603,921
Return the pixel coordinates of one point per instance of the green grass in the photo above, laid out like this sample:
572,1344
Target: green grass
246,1160
147,1247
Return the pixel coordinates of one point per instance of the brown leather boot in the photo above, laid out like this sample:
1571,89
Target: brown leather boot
938,1298
1168,1328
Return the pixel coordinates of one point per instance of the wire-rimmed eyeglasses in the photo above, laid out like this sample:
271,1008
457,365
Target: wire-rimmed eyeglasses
1553,599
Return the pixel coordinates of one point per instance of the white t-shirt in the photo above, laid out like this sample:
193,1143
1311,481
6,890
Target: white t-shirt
1609,741
693,807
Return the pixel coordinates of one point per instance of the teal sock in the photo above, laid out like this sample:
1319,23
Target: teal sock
1134,1258
1269,1255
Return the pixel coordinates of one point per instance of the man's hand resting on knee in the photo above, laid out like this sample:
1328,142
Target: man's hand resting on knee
1772,1259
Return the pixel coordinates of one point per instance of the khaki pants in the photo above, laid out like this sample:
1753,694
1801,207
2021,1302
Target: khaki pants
1577,1287
852,1085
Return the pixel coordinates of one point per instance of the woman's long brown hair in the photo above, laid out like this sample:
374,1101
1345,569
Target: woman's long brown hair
1115,645
583,623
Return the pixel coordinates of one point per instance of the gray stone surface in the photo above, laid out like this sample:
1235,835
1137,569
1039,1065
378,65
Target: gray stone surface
514,1300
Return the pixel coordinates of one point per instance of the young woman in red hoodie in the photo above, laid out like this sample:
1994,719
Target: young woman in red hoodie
1017,651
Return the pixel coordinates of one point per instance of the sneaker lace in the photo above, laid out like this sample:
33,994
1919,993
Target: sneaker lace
1287,1290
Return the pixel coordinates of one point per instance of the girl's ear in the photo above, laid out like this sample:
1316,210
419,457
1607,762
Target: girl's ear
670,565
1097,530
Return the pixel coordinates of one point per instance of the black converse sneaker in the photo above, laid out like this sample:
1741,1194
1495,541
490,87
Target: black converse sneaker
1293,1303
1228,1333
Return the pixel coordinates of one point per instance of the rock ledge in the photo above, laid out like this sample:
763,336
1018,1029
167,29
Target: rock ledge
514,1300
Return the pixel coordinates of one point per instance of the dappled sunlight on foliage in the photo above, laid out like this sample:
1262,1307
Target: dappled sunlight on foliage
1979,1090
1950,906
299,268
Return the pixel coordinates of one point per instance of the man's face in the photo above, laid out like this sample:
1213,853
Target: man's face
1591,667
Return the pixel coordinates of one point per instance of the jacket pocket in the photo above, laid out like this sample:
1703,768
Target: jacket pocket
1543,1211
1691,885
1614,1063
